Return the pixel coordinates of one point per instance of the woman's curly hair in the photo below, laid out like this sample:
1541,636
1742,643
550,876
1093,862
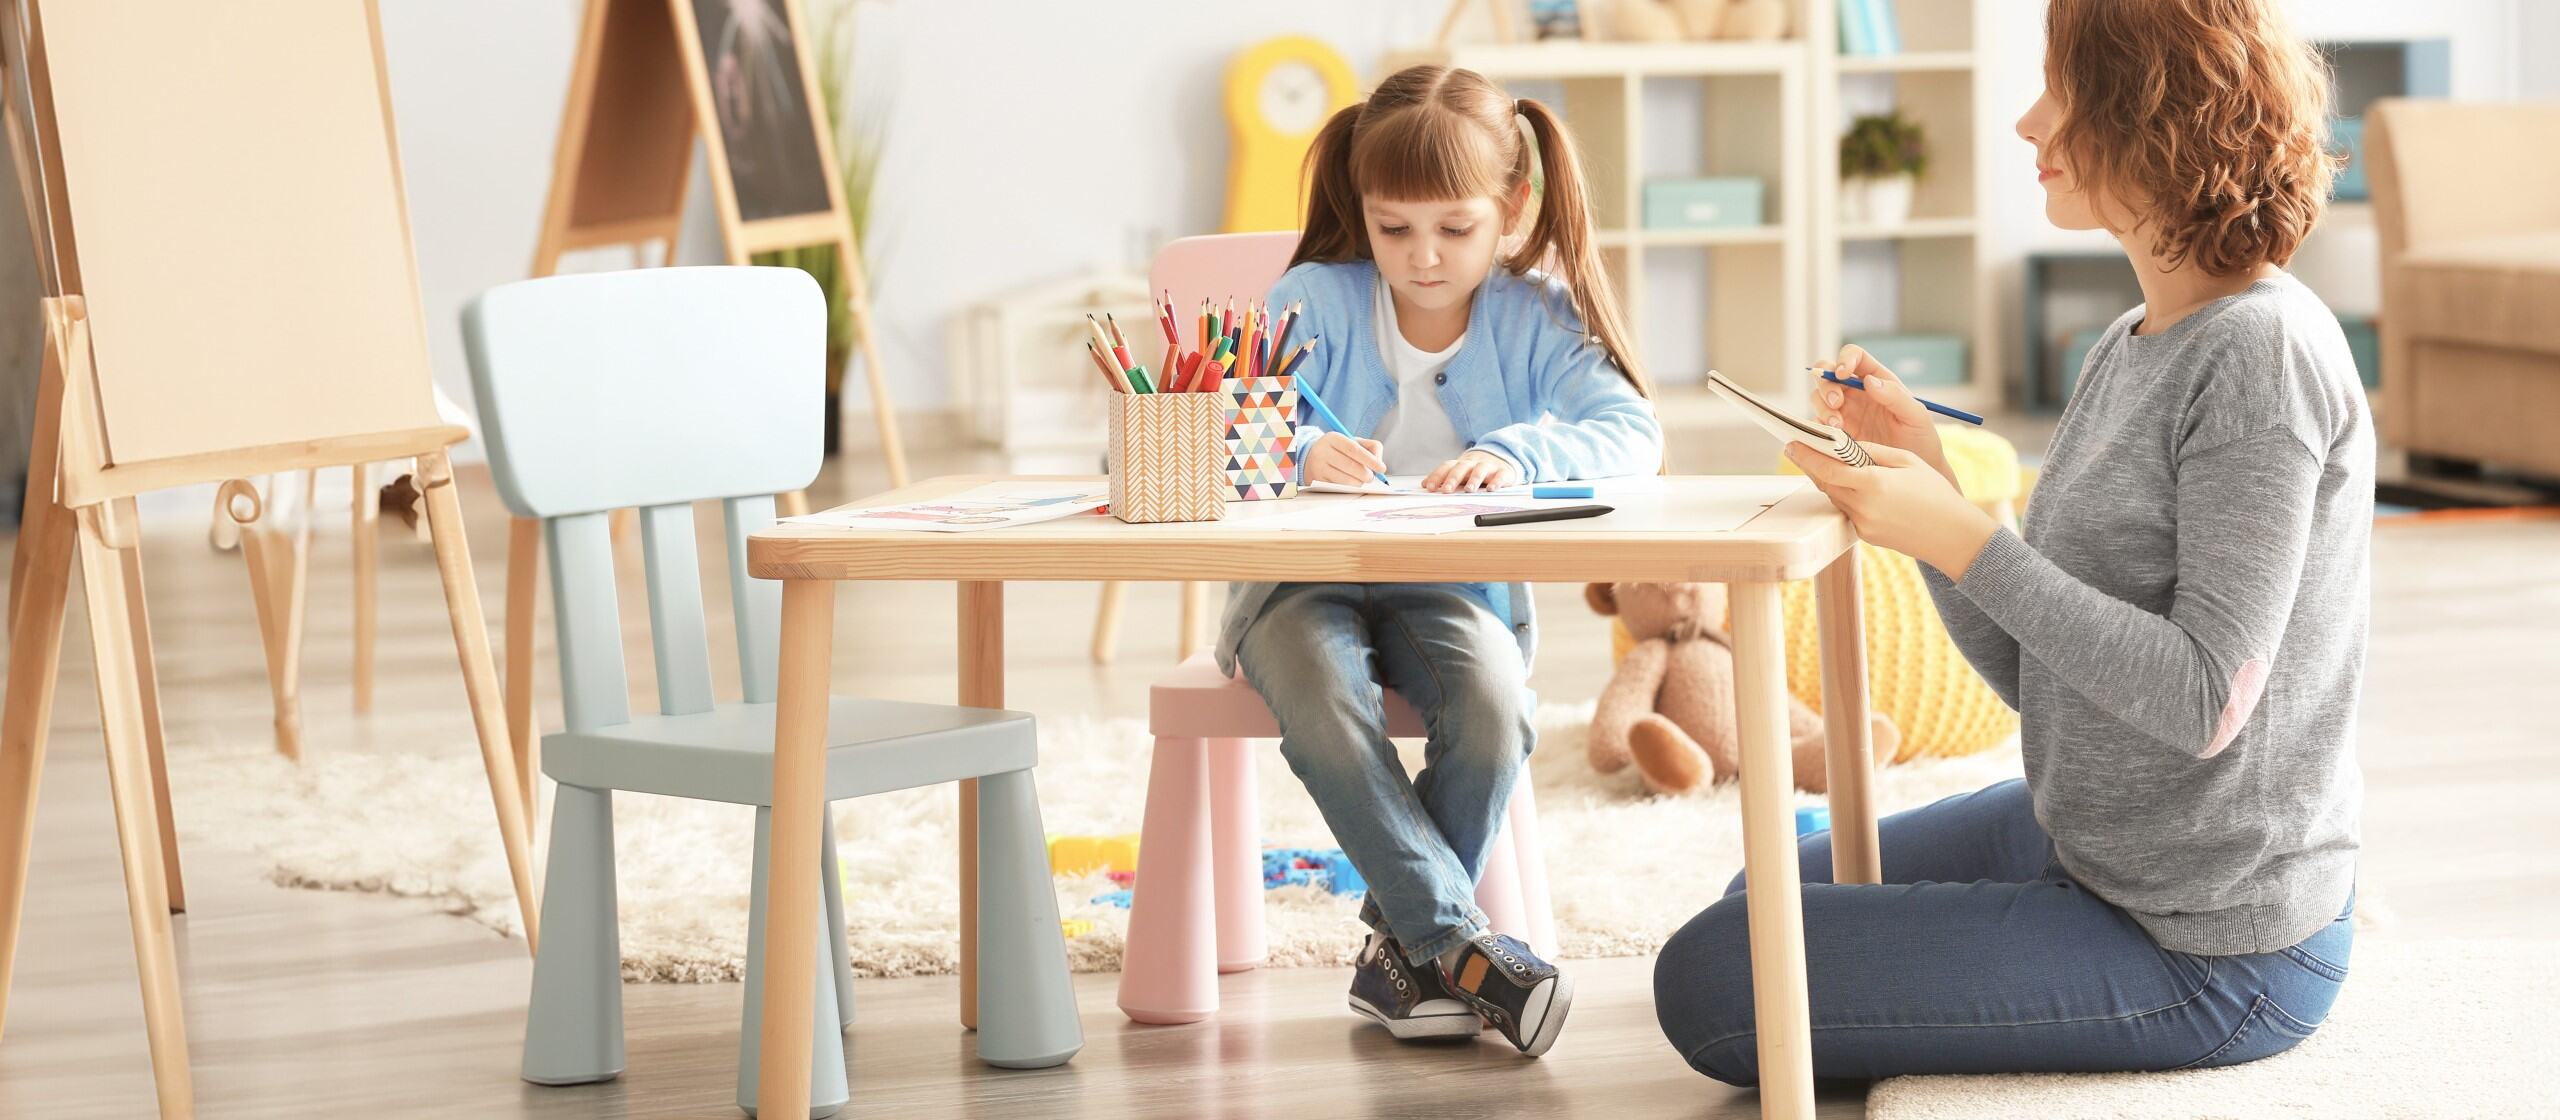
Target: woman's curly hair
2207,120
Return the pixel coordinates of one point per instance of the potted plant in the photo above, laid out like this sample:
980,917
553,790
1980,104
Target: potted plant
1881,158
858,145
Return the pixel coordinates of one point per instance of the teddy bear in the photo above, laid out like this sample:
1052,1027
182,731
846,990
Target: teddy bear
1669,708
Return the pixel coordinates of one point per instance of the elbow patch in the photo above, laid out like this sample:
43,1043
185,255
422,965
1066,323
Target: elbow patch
2247,684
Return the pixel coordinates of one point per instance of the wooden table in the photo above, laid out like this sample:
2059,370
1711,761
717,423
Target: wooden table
1801,537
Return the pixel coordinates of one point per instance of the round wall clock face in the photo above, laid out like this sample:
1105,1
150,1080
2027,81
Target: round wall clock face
1294,98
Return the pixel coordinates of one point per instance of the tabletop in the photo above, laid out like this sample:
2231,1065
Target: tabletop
1656,535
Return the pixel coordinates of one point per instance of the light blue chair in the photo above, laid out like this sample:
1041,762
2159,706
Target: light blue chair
656,389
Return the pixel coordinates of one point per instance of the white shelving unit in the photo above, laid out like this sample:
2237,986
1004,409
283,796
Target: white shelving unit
1941,281
1756,102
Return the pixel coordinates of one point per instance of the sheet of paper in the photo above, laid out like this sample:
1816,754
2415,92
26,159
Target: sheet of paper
992,506
1410,485
1430,516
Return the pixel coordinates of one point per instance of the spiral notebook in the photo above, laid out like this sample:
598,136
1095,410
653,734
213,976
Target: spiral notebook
1788,429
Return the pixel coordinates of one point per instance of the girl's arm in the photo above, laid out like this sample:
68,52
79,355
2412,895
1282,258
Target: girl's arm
1601,427
2191,678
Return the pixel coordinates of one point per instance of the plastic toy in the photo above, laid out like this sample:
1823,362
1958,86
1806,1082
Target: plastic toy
1812,819
1082,855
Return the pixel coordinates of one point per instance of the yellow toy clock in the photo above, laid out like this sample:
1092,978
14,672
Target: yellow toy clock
1279,94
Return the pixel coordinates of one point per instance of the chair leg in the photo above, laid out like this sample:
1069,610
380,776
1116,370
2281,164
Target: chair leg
843,953
1169,972
1235,828
573,1029
1195,613
1529,858
1106,622
1022,955
828,1091
1498,888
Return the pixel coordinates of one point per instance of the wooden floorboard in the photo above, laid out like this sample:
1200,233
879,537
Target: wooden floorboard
310,1004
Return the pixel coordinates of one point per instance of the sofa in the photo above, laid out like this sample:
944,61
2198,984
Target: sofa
2466,203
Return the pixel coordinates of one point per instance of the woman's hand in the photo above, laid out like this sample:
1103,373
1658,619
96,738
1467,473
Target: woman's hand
1901,504
1475,470
1882,414
1345,460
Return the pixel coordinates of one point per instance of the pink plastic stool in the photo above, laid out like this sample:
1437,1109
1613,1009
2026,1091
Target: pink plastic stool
1200,849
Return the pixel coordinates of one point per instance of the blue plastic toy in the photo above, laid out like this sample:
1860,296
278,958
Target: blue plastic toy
1325,867
1812,819
1113,898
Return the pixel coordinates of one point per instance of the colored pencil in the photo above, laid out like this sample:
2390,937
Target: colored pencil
1933,406
1295,357
1307,396
1117,339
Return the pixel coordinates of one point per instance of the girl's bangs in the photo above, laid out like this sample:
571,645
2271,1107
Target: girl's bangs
1428,155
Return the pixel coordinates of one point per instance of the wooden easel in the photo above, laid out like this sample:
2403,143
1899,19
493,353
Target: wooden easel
618,177
179,352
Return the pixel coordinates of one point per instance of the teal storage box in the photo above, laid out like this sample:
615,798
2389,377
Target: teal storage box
1918,359
2366,345
2075,353
1727,202
2346,137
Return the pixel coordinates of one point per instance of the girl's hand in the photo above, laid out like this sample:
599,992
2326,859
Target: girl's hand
1901,504
1346,460
1475,470
1882,414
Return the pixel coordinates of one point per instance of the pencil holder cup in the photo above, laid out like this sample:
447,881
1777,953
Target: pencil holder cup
1262,438
1165,457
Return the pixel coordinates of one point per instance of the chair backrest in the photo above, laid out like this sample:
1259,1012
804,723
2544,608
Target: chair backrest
652,389
1243,265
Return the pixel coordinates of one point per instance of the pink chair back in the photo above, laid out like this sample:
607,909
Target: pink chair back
1213,267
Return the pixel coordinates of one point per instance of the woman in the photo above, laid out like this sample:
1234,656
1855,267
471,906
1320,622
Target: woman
2181,627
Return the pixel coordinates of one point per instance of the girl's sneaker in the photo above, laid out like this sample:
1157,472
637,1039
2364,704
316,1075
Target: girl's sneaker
1410,1002
1523,997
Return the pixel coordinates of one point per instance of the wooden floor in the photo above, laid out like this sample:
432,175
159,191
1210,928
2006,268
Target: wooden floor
305,1004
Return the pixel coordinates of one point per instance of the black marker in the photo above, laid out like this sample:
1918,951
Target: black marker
1531,516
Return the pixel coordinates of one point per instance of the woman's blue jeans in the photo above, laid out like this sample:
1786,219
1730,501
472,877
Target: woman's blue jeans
1978,954
1318,654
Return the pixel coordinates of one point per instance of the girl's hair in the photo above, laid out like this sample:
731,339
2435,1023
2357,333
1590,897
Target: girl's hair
2205,119
1431,132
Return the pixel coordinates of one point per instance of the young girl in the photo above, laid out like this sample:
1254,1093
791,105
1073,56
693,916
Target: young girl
2181,627
1447,355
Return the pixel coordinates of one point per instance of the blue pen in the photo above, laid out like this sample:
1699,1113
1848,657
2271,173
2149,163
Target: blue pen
1307,395
1933,406
1554,490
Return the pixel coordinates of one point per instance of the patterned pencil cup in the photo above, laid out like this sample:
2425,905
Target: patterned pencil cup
1165,457
1262,438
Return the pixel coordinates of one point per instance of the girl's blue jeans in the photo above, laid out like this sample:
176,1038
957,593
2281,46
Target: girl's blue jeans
1318,654
1978,954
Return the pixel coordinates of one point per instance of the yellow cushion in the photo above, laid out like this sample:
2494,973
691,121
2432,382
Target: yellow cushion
1914,673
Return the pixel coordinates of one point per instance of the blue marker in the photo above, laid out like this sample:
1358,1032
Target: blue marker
1307,395
1942,410
1558,491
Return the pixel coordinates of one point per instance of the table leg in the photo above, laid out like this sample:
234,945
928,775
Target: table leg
1775,901
1851,754
981,686
799,811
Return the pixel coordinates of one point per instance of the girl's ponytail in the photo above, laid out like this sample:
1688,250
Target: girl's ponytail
1335,230
1560,239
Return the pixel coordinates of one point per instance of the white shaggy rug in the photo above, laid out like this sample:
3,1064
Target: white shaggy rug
1626,870
2423,1029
